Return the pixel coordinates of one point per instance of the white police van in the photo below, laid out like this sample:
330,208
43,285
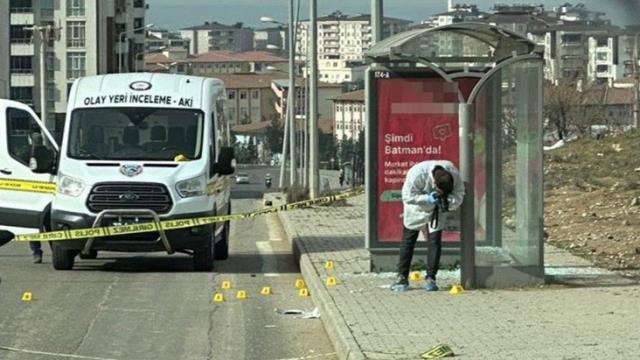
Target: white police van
137,148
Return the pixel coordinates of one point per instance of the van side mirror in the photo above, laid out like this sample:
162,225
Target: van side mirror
43,160
226,161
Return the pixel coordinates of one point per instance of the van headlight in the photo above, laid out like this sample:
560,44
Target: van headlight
192,187
70,186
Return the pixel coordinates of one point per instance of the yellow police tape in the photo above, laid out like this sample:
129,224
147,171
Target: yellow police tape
139,228
28,186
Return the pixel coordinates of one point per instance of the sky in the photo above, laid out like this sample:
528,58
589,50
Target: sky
171,14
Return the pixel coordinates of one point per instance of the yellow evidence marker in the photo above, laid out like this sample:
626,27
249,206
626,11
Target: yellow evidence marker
331,281
303,292
456,289
218,298
27,296
265,290
415,276
226,285
300,284
241,295
329,265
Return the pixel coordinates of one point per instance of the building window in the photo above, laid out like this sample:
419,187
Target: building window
75,34
18,34
22,94
243,94
138,3
138,23
339,107
244,116
76,65
255,111
602,56
255,94
21,64
602,68
232,94
75,7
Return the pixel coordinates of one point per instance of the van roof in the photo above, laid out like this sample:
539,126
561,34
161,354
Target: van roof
90,90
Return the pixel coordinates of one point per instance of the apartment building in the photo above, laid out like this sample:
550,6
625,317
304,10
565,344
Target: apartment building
567,49
88,43
4,50
275,36
349,115
214,62
326,91
456,13
160,39
213,35
342,41
250,105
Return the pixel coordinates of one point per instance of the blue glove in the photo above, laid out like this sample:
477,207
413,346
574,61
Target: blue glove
433,198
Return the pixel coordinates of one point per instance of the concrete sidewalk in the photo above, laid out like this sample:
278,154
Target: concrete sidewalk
584,313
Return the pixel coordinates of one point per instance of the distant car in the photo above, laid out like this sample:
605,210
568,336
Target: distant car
242,178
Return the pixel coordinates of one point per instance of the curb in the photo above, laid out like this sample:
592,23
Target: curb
339,333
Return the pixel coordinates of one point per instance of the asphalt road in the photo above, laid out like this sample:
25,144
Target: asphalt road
153,306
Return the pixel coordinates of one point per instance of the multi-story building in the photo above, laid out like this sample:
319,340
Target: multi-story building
4,49
456,13
275,36
326,91
349,115
160,39
212,36
88,43
342,41
215,62
250,105
567,50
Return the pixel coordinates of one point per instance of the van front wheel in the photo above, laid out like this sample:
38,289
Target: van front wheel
222,247
63,259
203,257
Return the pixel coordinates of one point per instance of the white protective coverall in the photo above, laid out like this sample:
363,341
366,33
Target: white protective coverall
418,184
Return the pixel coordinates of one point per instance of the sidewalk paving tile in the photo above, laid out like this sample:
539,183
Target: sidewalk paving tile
553,321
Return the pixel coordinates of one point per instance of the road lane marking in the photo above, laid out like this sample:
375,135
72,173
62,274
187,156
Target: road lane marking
72,356
269,263
272,228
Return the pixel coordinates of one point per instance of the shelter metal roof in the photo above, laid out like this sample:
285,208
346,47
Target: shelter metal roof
451,46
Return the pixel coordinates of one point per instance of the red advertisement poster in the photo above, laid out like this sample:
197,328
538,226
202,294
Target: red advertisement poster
417,121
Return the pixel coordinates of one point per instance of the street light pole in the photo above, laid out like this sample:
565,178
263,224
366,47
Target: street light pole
291,97
376,20
121,39
45,32
636,83
314,143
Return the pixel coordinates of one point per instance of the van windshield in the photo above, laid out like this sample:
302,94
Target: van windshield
135,134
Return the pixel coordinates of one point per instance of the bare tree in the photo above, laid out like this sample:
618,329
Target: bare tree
571,110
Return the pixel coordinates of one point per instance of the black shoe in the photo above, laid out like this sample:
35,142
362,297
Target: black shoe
37,258
401,284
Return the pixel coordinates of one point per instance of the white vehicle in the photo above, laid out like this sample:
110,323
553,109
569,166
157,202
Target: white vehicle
242,178
137,148
19,127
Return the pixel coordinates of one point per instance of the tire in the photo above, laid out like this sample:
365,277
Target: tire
93,254
203,257
63,259
222,247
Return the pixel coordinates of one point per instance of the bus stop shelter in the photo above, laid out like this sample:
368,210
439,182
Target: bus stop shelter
470,93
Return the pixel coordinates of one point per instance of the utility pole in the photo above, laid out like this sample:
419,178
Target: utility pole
636,83
45,33
314,140
283,158
291,97
376,20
